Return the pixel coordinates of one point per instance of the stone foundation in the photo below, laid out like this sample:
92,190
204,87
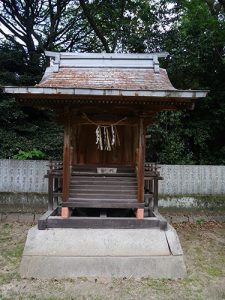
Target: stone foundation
70,253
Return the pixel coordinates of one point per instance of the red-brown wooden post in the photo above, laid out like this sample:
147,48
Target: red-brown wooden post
66,165
50,190
140,163
72,147
156,187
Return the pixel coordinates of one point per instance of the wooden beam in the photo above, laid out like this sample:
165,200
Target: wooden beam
140,162
75,145
123,123
66,159
50,190
72,146
155,205
97,222
42,222
103,204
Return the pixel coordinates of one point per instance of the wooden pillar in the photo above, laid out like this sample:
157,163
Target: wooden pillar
66,165
74,145
140,165
50,190
156,187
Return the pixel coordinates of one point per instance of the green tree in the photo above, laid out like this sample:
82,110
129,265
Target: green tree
193,32
21,128
196,46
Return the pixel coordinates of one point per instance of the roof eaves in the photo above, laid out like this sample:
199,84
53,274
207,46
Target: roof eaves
107,92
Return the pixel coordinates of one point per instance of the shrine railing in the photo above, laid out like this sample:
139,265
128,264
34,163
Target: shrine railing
55,184
151,178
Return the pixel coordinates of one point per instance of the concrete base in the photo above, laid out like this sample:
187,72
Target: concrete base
71,253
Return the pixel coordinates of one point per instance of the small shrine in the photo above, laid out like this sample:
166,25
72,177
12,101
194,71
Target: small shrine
105,103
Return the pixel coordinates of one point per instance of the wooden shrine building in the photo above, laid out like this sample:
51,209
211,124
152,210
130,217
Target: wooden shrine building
105,102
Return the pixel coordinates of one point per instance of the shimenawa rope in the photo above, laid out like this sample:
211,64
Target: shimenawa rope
106,139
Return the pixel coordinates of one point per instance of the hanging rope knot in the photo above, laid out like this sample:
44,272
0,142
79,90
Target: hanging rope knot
106,139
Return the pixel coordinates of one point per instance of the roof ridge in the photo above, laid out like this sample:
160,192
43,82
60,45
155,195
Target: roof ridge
103,60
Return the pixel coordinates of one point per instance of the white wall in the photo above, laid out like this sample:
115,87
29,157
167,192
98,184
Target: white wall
28,176
191,179
23,175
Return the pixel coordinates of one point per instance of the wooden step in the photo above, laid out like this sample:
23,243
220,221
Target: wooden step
103,182
102,204
109,199
103,196
105,178
102,186
86,174
103,190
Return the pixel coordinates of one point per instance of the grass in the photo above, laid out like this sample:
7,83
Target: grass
8,277
10,250
14,252
203,245
200,221
5,229
215,271
158,285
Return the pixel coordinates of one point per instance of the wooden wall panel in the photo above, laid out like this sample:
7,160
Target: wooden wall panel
88,153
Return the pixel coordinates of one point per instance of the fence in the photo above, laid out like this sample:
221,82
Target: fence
191,179
23,176
28,177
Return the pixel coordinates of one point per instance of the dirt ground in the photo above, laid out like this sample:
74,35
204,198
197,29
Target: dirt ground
204,248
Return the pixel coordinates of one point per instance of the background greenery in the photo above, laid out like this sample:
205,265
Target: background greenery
193,32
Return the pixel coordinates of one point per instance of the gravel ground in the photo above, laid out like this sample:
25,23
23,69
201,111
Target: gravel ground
204,249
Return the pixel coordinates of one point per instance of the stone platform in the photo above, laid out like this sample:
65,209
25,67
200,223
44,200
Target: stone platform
70,253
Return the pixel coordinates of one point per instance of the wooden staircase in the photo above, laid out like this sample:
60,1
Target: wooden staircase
88,189
101,200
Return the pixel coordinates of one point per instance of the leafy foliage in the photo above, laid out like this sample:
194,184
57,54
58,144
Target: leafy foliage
33,154
26,129
196,46
23,129
193,32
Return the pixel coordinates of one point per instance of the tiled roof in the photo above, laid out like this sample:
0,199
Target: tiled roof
106,71
108,78
83,77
